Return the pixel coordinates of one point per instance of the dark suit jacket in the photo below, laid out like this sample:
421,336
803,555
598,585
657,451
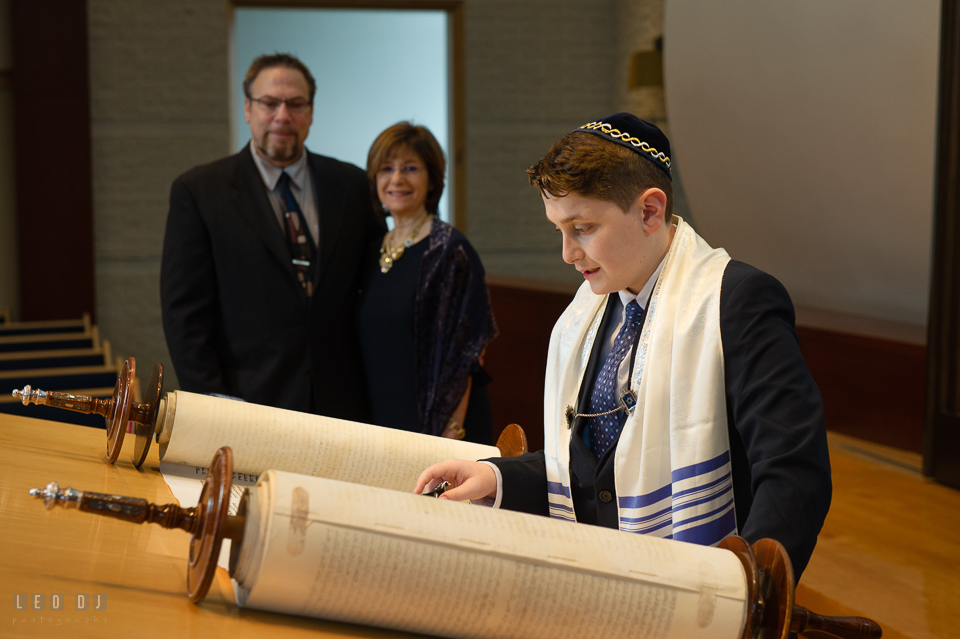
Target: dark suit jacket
236,320
778,445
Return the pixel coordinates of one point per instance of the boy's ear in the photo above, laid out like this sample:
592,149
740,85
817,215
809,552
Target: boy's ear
652,204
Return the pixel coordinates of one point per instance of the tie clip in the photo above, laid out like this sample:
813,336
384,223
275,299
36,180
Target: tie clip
628,402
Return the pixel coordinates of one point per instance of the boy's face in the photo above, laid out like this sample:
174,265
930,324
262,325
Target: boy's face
613,249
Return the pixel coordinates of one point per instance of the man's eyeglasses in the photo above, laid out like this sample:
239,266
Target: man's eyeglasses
295,106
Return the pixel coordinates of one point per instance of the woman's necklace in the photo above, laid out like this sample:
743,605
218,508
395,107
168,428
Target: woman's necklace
390,254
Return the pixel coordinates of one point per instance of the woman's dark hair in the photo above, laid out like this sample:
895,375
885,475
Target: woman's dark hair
419,140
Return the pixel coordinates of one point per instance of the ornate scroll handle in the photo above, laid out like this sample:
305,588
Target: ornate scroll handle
208,522
76,403
131,509
140,413
848,627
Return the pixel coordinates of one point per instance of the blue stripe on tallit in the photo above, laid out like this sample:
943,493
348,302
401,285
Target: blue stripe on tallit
690,491
641,501
646,530
706,515
637,520
647,525
562,507
710,532
702,468
716,495
559,511
706,499
558,489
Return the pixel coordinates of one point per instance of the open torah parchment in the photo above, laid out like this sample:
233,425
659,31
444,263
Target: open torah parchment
195,426
334,550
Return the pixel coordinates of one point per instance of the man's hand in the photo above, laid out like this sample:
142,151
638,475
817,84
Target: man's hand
470,480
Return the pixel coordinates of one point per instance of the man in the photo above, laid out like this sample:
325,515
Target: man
260,260
677,403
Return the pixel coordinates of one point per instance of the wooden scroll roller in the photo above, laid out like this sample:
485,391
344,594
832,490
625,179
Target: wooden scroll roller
771,589
512,441
770,609
207,522
118,411
147,418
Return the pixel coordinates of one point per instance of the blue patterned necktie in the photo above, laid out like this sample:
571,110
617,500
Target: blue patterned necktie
298,234
604,429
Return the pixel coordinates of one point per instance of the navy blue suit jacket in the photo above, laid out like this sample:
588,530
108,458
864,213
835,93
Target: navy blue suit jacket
778,445
236,319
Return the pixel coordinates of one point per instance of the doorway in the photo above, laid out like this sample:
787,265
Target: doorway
373,68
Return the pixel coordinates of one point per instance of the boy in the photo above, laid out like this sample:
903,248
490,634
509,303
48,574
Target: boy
676,403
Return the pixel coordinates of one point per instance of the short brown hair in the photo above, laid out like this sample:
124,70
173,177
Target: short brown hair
590,166
273,60
419,140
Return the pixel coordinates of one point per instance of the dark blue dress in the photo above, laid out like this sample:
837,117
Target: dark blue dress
423,326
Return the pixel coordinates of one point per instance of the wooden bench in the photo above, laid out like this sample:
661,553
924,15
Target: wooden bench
88,338
19,360
61,379
9,329
95,381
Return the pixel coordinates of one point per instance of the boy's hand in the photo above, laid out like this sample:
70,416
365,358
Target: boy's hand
470,480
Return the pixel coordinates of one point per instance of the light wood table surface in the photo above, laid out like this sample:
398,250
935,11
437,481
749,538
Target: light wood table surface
889,549
142,569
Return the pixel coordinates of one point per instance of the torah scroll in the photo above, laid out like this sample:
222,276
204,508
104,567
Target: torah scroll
195,426
334,550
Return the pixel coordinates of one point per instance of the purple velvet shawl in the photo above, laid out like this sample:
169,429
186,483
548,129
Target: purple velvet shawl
453,322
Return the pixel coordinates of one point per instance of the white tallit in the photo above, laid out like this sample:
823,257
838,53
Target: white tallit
672,463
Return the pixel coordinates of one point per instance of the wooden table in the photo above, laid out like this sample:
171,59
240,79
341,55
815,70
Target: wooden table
889,549
141,569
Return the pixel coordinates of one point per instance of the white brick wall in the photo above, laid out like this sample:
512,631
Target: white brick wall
159,95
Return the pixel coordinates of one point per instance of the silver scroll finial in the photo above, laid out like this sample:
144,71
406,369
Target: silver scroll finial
30,396
52,495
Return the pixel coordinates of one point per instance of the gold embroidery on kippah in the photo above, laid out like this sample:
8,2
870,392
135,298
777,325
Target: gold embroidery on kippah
616,134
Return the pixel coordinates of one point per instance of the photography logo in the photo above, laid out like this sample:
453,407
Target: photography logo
67,607
84,601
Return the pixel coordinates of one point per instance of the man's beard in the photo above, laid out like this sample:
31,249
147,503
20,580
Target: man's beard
280,153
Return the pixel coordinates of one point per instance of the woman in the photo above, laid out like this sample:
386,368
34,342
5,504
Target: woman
425,316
